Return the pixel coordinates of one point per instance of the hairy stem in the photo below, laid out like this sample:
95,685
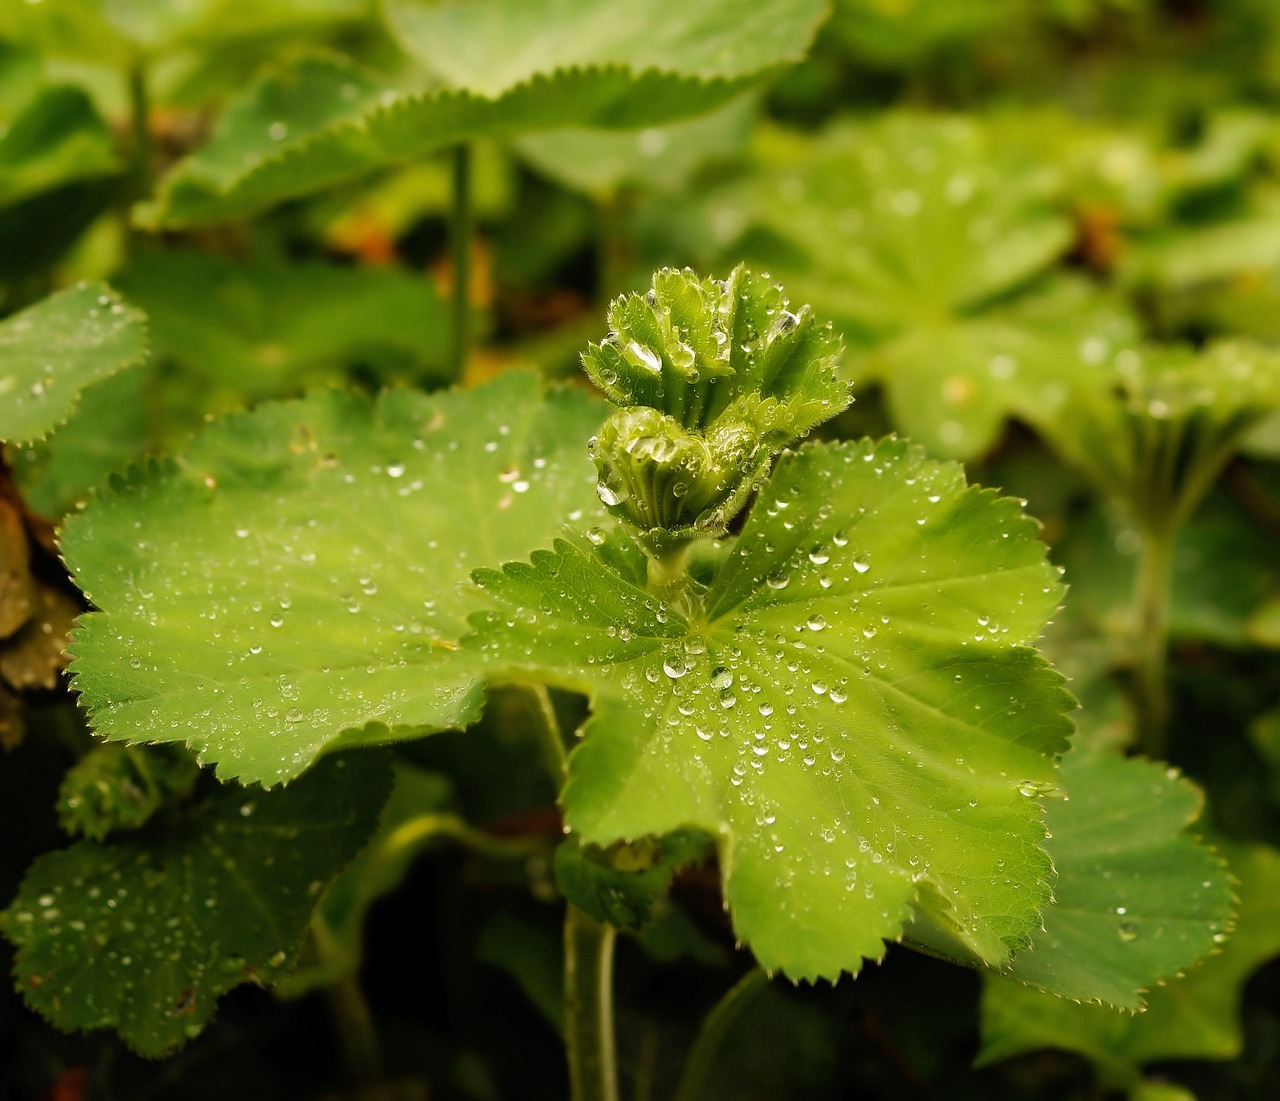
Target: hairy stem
460,249
700,1066
1151,608
668,569
588,1007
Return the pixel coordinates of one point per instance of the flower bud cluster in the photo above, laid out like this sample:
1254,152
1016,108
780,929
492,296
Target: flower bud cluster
712,379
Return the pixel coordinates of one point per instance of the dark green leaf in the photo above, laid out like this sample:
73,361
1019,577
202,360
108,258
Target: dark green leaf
142,934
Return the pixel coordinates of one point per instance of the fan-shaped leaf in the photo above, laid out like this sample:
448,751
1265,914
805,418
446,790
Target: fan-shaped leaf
852,708
317,547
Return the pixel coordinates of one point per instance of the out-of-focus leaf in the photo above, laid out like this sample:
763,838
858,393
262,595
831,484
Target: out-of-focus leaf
908,219
119,787
951,386
17,586
119,420
51,351
326,121
491,48
658,158
269,329
34,655
620,885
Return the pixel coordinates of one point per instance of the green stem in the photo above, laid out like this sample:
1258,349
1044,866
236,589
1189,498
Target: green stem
588,1007
700,1067
139,109
460,248
1151,606
668,569
557,756
613,255
357,1035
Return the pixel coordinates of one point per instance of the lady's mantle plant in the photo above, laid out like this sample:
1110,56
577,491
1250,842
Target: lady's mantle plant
841,689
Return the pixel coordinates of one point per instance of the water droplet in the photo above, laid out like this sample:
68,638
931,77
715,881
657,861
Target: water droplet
640,356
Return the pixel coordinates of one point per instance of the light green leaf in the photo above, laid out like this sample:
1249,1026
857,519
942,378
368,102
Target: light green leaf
54,349
144,933
950,386
908,219
658,158
327,121
491,48
117,30
1156,430
295,575
852,709
1136,900
1197,1017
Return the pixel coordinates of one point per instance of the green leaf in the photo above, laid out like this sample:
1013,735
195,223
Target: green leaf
266,328
1197,1017
908,219
620,885
898,36
56,139
658,158
950,386
493,47
54,349
1157,429
114,425
143,934
326,121
119,787
1136,900
110,31
295,575
852,708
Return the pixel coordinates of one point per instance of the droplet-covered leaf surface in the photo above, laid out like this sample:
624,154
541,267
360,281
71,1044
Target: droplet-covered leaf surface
327,121
317,547
1136,900
144,933
852,708
51,351
1196,1017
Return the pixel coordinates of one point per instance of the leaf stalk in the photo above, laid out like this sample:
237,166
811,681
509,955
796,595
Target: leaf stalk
588,1007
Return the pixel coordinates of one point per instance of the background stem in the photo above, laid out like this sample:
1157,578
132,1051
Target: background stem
460,250
699,1068
588,1007
1151,607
